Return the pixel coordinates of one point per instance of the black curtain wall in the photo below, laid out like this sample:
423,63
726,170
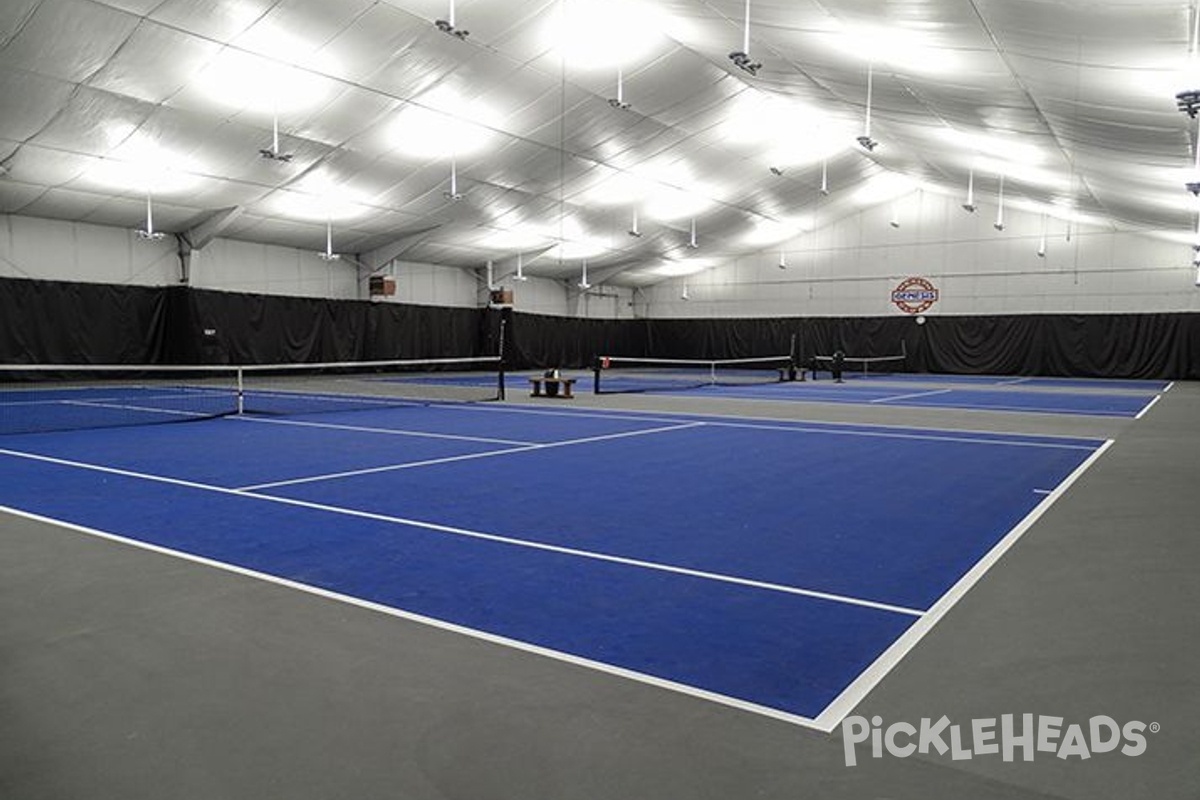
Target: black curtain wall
65,322
59,322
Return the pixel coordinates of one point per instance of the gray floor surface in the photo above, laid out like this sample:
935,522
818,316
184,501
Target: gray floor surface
130,674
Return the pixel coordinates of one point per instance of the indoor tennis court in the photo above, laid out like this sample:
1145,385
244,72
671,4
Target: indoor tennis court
425,521
599,400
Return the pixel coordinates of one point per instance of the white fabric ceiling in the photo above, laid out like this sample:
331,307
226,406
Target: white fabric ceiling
105,101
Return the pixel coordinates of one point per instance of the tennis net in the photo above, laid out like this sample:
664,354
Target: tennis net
50,397
614,374
861,366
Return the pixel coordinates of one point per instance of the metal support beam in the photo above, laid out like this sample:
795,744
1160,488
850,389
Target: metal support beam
382,256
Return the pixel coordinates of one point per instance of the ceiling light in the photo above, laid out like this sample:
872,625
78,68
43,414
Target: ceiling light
618,102
329,255
741,58
865,141
884,187
770,231
447,25
1024,173
633,228
440,124
970,206
999,223
274,154
618,189
245,80
333,203
148,233
998,148
665,191
785,131
901,48
452,194
594,34
140,165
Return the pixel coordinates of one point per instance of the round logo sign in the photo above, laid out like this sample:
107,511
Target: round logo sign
914,295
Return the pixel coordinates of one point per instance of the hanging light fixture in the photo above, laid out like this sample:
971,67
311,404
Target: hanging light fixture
452,194
1188,100
583,281
782,259
895,220
633,228
329,255
447,25
824,177
520,276
273,153
619,100
999,223
741,58
148,233
865,141
684,294
970,206
1196,248
692,241
1041,251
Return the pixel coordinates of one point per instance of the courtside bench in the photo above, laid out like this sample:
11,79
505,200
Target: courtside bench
564,387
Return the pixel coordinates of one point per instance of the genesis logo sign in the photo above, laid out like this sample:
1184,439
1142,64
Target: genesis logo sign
914,295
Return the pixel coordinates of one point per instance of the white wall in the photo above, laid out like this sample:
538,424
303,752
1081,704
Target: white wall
847,268
430,285
268,269
850,267
64,251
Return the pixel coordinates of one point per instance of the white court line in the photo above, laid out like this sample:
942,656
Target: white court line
1168,387
911,394
1012,382
480,535
468,456
914,436
805,426
1149,405
128,407
389,431
862,428
852,695
432,622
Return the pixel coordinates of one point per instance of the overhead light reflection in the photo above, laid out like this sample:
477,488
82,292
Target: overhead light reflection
595,34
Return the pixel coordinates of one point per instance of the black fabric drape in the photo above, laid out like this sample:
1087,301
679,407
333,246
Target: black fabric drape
61,322
540,341
65,322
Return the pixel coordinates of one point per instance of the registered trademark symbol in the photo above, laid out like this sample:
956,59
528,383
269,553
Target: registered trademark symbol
1155,727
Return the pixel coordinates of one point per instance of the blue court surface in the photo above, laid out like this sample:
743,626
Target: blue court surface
1086,397
780,567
